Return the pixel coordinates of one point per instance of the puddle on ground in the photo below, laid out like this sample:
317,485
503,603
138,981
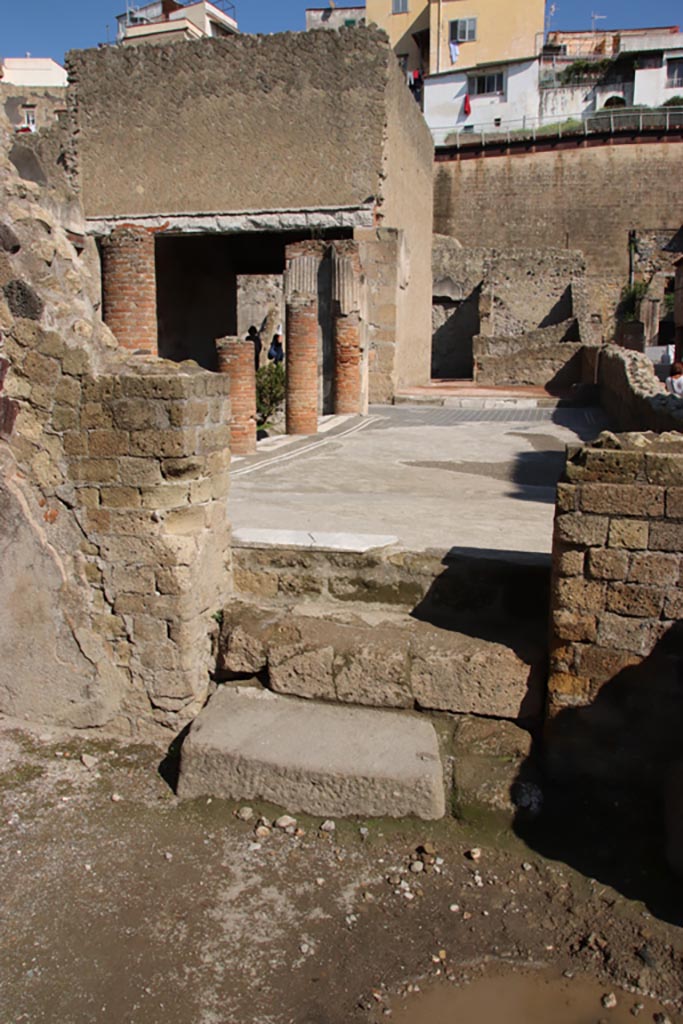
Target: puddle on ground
530,997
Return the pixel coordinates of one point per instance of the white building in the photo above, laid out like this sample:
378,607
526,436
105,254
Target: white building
334,17
573,76
32,72
483,96
167,21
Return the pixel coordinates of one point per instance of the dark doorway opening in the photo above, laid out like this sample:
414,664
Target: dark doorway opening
197,285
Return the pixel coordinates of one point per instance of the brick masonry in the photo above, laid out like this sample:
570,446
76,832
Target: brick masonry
129,297
236,360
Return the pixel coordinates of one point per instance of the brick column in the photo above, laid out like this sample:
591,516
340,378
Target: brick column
301,290
129,292
347,328
236,359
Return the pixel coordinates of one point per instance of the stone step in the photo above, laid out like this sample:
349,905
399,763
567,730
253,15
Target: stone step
381,659
251,744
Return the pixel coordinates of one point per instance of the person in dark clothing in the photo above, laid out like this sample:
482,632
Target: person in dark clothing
276,352
254,336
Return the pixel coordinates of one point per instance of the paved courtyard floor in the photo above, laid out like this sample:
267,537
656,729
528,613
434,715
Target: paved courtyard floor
430,477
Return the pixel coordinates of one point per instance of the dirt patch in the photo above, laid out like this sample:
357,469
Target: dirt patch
121,903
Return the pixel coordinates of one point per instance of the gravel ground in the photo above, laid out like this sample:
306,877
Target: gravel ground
121,903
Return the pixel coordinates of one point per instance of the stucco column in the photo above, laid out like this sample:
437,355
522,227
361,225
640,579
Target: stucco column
236,359
129,288
347,329
302,345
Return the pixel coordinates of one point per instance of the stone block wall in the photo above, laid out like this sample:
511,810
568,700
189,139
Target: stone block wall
114,540
567,199
614,692
630,392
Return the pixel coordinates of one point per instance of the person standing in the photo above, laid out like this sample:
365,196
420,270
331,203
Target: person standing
255,338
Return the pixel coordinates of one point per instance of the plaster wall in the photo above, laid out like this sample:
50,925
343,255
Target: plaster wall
504,31
408,205
174,130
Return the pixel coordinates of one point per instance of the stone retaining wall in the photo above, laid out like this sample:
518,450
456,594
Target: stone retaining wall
395,578
616,655
631,393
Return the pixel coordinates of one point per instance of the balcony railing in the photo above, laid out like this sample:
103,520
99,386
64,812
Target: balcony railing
532,128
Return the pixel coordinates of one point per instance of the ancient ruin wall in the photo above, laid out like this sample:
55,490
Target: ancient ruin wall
244,123
407,203
630,392
114,546
586,199
617,601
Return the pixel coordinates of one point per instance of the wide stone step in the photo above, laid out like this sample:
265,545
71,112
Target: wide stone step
251,744
381,660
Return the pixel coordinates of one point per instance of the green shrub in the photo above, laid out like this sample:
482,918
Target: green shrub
631,295
270,390
675,101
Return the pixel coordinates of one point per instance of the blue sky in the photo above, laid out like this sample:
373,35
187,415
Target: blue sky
46,28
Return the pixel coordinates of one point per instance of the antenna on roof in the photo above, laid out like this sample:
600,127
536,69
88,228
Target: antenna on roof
596,17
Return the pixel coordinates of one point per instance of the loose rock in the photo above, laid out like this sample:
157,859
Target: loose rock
88,761
285,821
244,814
609,1001
328,826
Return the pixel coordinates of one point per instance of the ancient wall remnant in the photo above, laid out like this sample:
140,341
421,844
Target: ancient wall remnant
507,316
614,693
114,547
179,176
563,199
630,392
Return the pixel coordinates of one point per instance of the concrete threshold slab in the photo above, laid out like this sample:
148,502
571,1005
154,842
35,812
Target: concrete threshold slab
357,542
250,744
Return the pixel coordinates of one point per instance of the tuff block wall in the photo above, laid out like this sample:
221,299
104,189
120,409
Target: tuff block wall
568,198
114,539
617,601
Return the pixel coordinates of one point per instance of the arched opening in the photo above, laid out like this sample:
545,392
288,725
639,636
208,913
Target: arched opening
614,101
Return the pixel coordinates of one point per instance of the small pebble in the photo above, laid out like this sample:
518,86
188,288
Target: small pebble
637,1009
88,761
116,798
168,856
244,814
266,822
661,1018
262,831
304,948
254,846
474,853
320,881
364,832
285,822
454,908
526,866
609,1001
328,826
416,867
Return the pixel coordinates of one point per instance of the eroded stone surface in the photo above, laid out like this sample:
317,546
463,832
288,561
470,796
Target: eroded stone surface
316,758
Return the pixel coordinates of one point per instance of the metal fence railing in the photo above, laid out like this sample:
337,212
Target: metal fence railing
611,120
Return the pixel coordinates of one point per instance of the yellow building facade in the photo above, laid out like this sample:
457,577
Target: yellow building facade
438,35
